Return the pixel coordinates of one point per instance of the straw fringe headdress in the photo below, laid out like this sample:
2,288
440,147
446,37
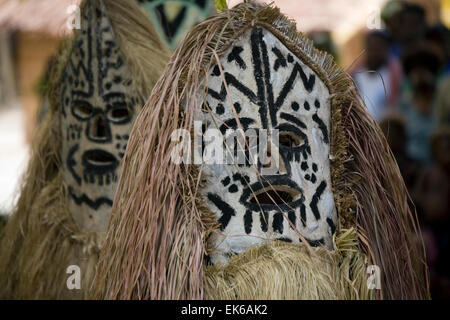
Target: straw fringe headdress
41,239
156,241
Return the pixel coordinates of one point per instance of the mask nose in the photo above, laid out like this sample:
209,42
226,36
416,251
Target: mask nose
273,164
99,130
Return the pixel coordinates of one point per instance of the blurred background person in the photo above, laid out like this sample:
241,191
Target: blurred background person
443,102
409,28
432,197
378,79
390,15
421,66
394,129
438,36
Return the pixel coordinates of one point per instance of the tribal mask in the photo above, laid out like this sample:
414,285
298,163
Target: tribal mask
269,88
99,106
337,183
174,18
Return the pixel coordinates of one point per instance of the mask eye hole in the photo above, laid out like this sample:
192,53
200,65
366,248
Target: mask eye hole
290,140
82,111
119,115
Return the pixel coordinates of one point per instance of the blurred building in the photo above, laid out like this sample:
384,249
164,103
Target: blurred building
31,31
7,82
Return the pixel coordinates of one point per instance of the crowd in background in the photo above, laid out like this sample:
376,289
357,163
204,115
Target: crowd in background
404,81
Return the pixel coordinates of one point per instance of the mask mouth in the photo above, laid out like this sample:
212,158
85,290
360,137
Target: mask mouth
274,195
99,161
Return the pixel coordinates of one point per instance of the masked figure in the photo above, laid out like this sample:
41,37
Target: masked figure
270,89
99,82
173,19
307,220
98,108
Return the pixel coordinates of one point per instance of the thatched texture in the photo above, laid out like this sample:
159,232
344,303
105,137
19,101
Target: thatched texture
281,271
41,239
156,241
3,221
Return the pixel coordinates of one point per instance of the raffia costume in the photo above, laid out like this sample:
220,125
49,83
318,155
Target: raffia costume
337,206
99,83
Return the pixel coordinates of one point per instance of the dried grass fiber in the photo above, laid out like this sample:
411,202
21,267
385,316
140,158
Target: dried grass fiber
41,239
156,241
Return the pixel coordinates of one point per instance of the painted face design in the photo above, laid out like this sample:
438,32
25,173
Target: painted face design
270,88
174,18
98,109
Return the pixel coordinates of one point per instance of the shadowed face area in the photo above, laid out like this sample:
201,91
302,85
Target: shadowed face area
98,109
269,88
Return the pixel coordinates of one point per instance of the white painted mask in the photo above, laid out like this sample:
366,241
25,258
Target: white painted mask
270,88
173,19
99,106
